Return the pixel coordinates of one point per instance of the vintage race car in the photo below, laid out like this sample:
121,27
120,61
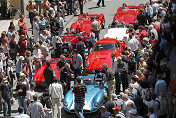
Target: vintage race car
84,22
73,39
38,77
101,53
93,97
127,15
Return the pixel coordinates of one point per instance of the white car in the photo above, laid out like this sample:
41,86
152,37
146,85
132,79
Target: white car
117,33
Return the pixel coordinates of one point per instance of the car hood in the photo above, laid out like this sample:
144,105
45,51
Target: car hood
128,16
38,77
84,25
97,58
93,90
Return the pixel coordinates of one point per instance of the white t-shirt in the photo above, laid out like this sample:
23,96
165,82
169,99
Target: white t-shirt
22,116
133,43
37,54
30,94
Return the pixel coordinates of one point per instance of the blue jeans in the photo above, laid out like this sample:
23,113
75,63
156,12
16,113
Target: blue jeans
79,109
22,103
5,105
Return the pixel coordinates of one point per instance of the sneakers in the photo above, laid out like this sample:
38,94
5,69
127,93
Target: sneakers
98,5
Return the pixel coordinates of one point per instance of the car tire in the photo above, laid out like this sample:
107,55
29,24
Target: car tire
103,24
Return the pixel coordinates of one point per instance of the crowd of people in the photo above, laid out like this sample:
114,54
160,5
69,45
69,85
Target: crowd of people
139,84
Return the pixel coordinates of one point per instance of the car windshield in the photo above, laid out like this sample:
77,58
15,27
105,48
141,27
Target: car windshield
57,60
129,8
100,47
54,60
91,81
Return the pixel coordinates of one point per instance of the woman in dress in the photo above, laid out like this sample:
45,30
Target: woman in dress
36,30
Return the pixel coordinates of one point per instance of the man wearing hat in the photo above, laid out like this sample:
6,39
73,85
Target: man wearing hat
5,96
117,112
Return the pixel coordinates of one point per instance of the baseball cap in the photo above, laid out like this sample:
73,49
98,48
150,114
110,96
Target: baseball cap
116,108
133,111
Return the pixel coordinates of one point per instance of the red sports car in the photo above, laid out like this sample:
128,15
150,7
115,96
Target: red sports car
38,77
84,22
74,38
127,14
101,53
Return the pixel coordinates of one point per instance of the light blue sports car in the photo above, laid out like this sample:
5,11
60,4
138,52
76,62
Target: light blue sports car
93,97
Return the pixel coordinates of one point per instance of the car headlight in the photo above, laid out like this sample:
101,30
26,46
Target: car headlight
65,103
87,65
96,104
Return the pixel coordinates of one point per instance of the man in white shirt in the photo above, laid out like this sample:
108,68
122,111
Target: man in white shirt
21,114
37,57
56,93
133,43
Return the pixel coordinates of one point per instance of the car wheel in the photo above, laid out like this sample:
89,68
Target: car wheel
103,25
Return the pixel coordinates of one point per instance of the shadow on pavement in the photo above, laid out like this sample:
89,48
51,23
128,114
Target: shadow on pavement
93,7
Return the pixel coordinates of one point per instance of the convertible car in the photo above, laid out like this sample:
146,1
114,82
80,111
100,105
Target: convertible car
101,53
73,39
38,77
127,14
84,22
93,97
